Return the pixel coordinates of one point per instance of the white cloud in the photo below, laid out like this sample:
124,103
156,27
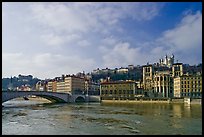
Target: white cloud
83,43
121,55
86,17
44,65
53,39
110,41
188,34
80,35
62,18
184,41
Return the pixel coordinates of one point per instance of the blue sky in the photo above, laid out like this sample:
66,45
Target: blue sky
50,39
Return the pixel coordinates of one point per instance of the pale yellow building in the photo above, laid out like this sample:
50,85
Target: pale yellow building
61,86
163,84
118,90
74,84
49,86
41,86
148,77
52,86
177,70
188,86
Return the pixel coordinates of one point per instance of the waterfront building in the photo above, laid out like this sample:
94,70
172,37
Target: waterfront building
163,84
92,88
118,90
61,86
188,86
25,87
74,84
49,86
68,83
177,70
52,86
41,86
148,71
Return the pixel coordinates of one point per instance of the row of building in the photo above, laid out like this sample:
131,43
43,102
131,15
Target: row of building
70,83
165,79
175,82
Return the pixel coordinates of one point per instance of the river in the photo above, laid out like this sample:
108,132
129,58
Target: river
30,117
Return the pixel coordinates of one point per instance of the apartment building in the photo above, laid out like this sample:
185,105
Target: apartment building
61,86
118,90
52,86
92,88
148,77
177,70
188,86
74,84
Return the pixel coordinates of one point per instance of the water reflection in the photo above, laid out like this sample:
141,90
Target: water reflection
140,109
105,118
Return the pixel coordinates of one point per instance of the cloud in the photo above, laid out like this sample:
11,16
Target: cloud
83,43
184,41
79,17
44,65
120,55
62,18
53,39
64,38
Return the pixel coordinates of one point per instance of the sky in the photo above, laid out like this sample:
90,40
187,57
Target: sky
49,39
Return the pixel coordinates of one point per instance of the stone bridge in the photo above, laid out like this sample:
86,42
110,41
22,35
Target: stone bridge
52,96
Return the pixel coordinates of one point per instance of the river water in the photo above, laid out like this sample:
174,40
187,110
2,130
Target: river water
21,117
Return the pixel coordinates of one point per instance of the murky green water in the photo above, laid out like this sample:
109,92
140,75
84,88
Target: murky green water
29,117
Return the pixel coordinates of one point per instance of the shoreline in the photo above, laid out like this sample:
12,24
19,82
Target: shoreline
151,101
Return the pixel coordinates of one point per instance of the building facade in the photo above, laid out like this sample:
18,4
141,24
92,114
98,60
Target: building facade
41,86
61,86
52,86
163,84
188,86
148,72
74,84
177,70
92,88
118,90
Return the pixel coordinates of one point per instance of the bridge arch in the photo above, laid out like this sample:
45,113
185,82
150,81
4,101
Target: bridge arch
79,99
52,96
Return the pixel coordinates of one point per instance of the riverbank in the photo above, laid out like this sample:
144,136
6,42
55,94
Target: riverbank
132,101
178,100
